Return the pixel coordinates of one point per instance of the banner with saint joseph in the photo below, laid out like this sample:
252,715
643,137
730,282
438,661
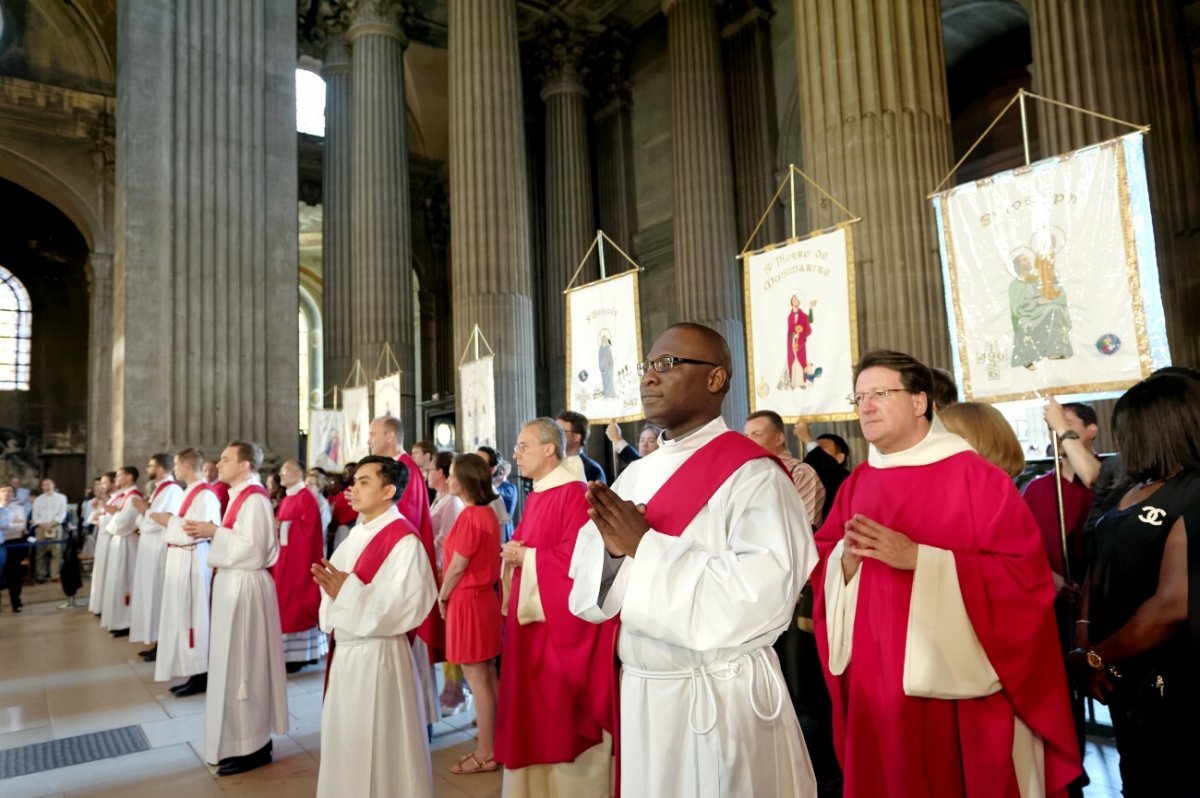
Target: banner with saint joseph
604,346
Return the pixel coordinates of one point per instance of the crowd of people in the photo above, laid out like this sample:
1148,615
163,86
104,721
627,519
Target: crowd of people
725,619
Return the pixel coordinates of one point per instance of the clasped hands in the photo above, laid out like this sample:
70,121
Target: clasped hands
622,523
329,578
513,553
873,540
199,529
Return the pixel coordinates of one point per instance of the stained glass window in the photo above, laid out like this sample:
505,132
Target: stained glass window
16,323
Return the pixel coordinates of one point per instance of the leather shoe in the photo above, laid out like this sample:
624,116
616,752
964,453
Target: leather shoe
193,686
149,655
121,632
241,764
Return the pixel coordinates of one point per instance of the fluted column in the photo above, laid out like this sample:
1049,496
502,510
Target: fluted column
616,201
489,202
381,228
752,113
570,217
707,280
336,168
876,131
1126,58
99,447
204,272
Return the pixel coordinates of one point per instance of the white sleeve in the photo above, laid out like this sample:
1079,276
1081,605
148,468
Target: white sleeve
598,580
397,601
529,597
251,544
943,657
841,603
125,521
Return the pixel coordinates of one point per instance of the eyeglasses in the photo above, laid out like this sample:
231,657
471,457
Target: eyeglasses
668,362
879,394
520,447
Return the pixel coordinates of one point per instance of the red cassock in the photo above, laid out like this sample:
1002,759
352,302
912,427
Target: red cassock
891,745
222,491
414,505
299,596
343,513
556,683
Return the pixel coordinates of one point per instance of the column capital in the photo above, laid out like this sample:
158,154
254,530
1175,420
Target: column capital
378,17
669,6
559,59
335,59
609,78
736,15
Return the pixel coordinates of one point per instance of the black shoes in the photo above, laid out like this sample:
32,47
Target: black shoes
150,654
121,632
193,686
240,764
296,667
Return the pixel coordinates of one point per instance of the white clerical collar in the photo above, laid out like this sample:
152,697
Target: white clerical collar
294,489
694,439
250,480
573,464
936,446
380,521
560,476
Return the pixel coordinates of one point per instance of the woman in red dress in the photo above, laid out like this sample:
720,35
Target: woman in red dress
469,602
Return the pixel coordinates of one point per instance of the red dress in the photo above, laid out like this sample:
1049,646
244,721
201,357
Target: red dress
473,612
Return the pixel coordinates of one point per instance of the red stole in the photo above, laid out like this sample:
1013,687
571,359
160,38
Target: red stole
232,513
367,565
222,491
414,506
125,497
298,595
676,504
187,501
161,487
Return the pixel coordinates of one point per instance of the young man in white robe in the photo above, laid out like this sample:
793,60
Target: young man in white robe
247,686
99,520
183,623
377,589
705,571
115,614
146,596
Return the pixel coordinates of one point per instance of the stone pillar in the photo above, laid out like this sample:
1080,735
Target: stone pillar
336,308
570,216
205,285
752,113
708,286
99,421
616,205
876,132
1127,59
489,202
380,223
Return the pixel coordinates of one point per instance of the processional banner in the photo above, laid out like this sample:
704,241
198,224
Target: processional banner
387,396
478,403
325,449
805,290
1051,276
356,422
604,346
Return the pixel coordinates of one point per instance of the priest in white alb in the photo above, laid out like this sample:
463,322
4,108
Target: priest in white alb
115,613
183,623
702,547
145,601
99,521
376,591
247,685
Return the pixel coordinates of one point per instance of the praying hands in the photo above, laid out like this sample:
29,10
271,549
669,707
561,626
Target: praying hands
622,524
867,538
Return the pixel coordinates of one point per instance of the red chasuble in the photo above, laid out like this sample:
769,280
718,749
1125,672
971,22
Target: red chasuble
414,506
299,595
894,746
556,684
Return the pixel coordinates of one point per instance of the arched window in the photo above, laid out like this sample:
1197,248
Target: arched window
16,325
310,352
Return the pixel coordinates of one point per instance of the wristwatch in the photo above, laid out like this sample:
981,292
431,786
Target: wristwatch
1069,435
1094,661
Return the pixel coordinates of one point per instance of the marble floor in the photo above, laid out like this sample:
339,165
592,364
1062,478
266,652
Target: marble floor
62,675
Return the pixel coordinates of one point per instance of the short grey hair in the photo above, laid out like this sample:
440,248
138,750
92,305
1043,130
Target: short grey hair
548,431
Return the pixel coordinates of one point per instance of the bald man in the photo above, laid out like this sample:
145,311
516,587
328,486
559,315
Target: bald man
702,547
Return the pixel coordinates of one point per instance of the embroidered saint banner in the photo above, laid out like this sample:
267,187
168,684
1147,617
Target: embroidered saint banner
325,448
604,346
356,422
805,290
1051,277
387,396
478,404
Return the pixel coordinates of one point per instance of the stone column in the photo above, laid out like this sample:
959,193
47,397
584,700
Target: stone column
876,131
337,282
1127,59
380,223
205,284
616,205
752,113
708,287
570,216
489,202
99,421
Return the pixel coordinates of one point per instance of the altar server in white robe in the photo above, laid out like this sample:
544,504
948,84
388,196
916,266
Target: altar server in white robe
377,588
703,707
115,612
100,551
146,597
247,687
183,625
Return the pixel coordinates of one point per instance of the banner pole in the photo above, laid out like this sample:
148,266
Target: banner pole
792,180
1024,125
600,250
1062,515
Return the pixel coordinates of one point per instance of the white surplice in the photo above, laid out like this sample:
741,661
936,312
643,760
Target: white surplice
704,708
247,684
118,568
183,623
146,597
373,736
99,561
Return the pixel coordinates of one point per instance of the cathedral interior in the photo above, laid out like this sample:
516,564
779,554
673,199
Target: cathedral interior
172,230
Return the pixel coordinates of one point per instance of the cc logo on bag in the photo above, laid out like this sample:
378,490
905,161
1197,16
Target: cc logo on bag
1152,515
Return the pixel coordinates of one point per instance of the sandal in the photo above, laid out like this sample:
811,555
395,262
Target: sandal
486,766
